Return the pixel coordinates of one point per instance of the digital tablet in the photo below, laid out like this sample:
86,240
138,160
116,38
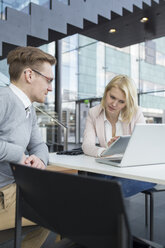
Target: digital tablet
117,147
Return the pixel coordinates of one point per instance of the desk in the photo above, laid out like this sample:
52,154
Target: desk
149,173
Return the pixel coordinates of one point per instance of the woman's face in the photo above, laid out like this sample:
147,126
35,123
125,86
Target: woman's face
115,101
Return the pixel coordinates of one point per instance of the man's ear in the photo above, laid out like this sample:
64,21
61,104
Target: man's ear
28,75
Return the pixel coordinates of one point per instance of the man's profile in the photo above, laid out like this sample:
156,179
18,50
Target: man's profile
30,71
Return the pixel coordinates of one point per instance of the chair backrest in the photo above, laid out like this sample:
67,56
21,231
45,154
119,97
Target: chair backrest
87,210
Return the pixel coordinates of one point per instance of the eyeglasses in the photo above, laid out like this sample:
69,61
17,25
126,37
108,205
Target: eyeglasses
49,80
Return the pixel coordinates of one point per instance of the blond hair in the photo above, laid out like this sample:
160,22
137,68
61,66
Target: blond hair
22,57
125,84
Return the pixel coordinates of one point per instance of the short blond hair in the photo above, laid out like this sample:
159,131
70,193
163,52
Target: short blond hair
126,85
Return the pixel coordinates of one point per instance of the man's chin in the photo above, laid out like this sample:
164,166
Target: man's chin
42,100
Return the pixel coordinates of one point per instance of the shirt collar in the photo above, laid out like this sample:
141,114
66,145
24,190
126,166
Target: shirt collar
119,118
21,95
105,118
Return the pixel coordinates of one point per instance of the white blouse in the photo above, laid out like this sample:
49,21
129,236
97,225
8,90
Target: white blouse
108,131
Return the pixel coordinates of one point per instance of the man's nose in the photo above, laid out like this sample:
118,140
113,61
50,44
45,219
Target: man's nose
50,87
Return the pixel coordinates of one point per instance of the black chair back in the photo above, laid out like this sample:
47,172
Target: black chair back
87,210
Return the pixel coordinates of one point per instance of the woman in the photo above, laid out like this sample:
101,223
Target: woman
115,116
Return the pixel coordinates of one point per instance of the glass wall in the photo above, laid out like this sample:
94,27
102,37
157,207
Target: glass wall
88,65
50,99
4,76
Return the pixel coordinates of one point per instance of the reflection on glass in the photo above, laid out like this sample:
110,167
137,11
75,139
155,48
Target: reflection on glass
69,68
154,106
85,41
69,119
50,99
4,76
84,108
3,80
63,1
44,3
70,43
20,5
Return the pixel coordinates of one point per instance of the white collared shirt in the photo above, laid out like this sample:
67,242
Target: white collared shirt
108,131
108,128
22,96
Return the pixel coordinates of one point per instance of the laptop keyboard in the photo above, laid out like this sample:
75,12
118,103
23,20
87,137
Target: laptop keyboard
116,161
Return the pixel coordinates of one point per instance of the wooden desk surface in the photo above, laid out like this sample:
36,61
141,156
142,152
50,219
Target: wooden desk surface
149,173
61,169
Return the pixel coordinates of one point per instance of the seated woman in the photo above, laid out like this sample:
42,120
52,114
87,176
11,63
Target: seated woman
115,116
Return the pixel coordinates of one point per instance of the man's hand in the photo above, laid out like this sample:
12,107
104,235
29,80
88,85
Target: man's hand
35,162
23,160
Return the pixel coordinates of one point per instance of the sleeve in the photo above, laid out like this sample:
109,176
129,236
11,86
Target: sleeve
89,140
36,145
8,151
139,116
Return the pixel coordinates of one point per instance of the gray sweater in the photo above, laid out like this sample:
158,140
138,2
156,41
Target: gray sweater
17,134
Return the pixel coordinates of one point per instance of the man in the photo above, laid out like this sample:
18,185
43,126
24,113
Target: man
30,71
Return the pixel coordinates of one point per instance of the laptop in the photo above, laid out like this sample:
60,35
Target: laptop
145,147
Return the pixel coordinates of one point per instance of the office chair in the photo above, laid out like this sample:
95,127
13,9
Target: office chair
86,210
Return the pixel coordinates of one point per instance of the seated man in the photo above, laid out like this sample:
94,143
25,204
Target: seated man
30,71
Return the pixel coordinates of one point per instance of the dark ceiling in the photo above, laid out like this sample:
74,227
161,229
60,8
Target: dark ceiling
129,28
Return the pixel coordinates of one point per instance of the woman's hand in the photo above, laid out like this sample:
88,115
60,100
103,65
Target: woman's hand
112,140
